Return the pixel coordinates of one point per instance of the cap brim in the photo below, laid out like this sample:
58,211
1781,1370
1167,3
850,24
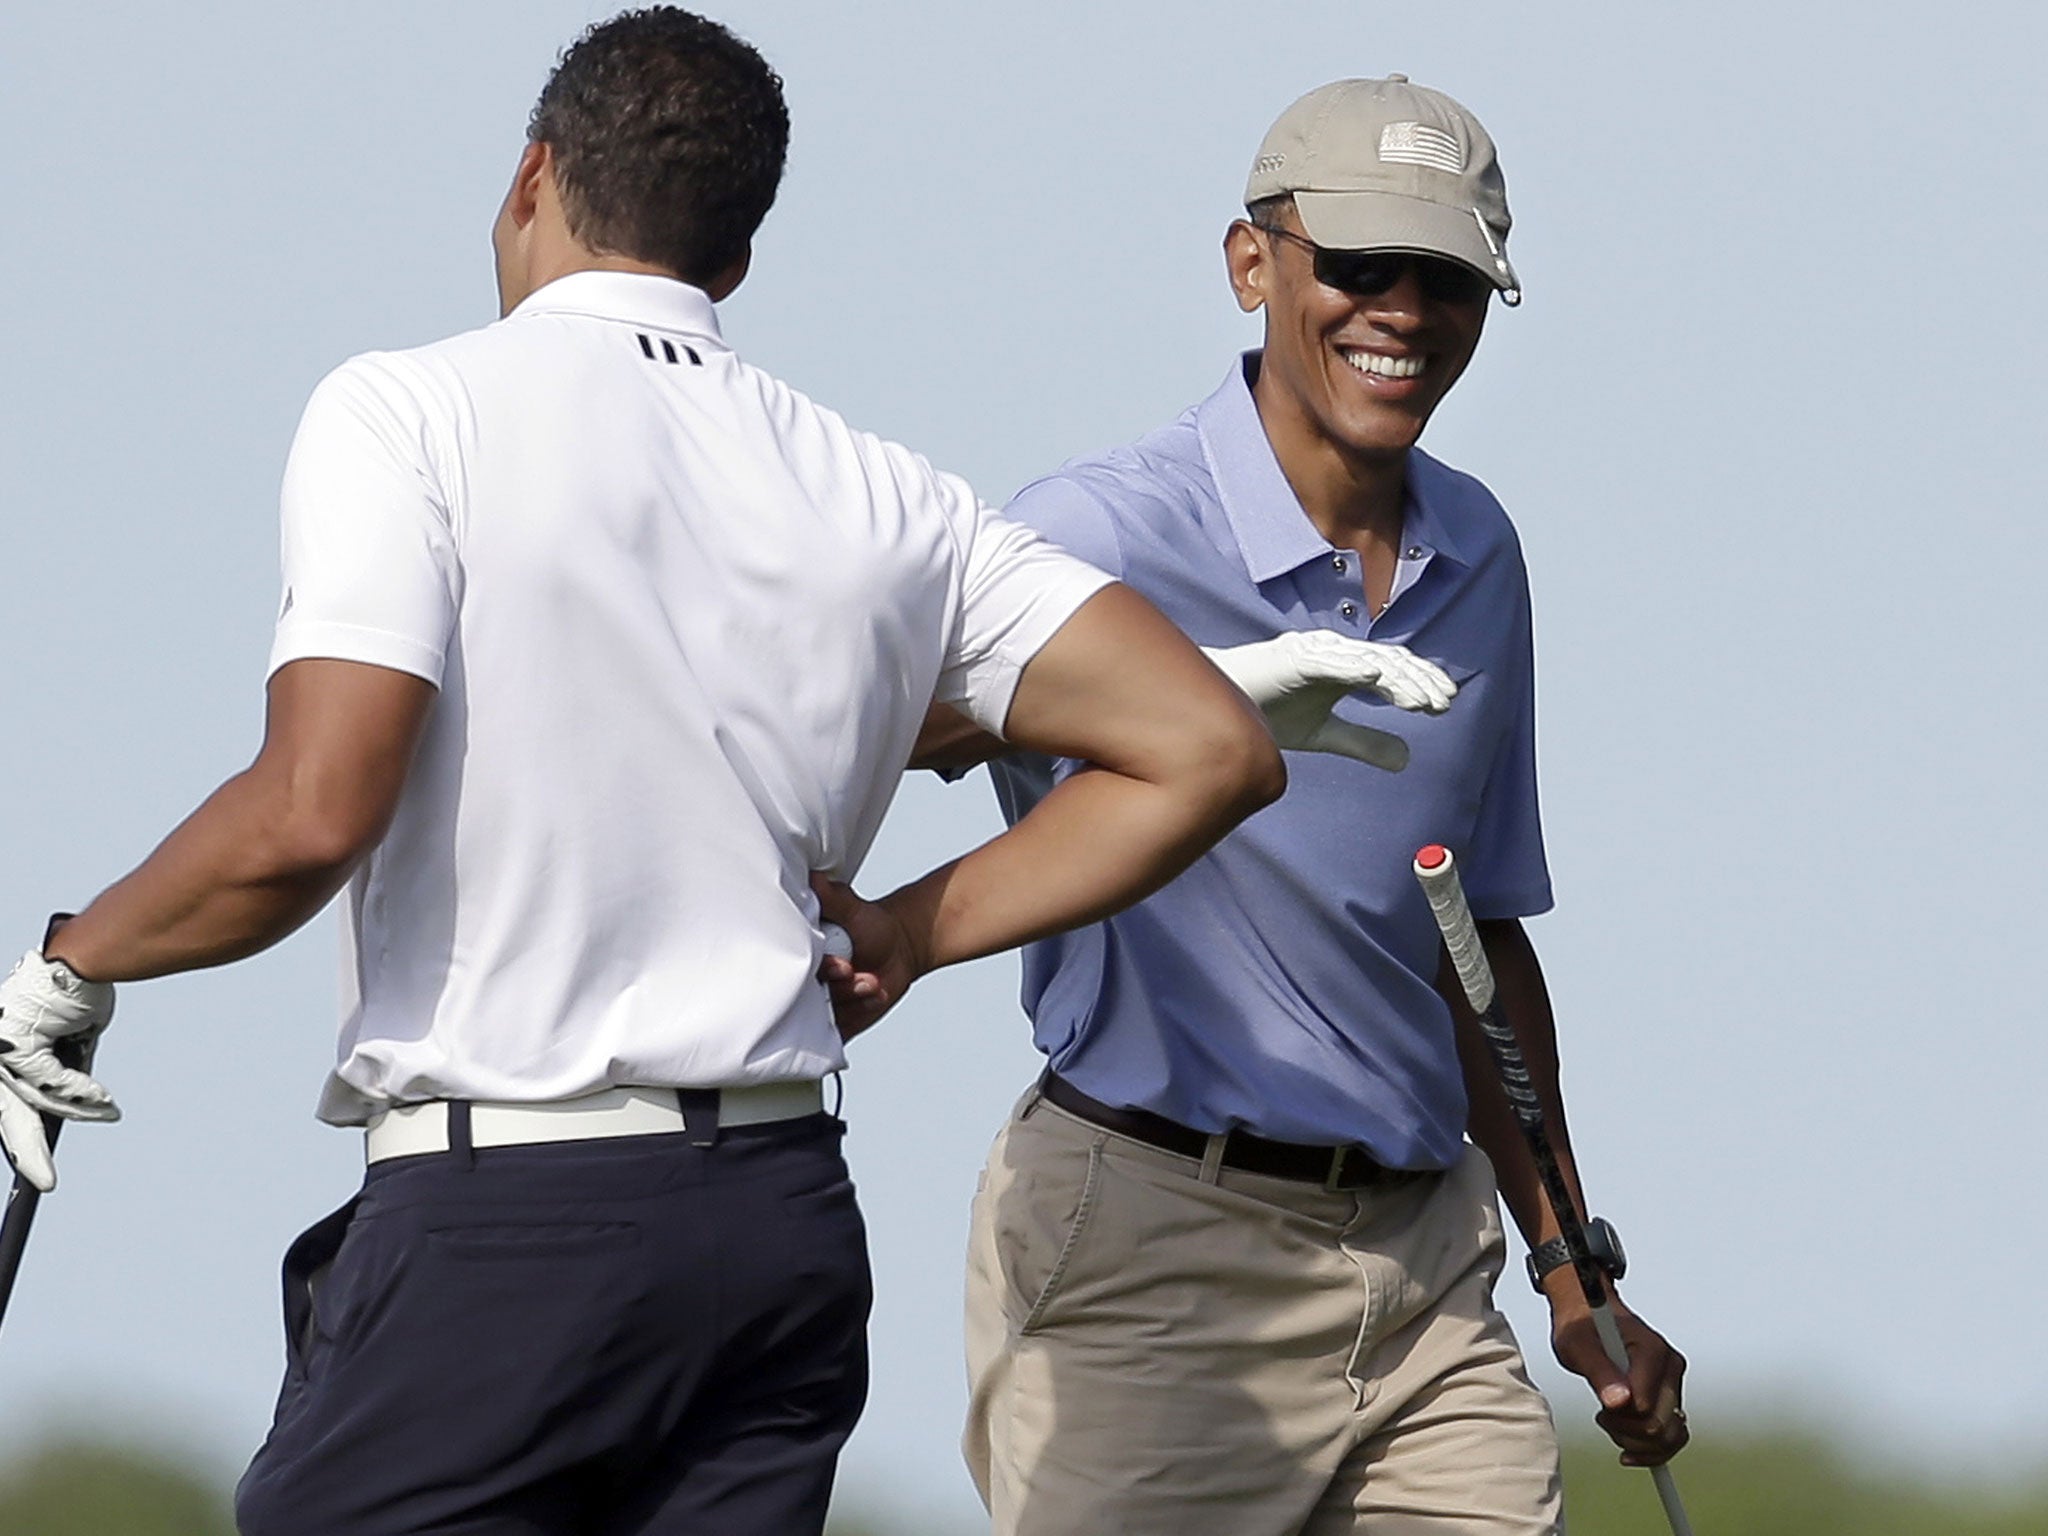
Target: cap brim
1387,221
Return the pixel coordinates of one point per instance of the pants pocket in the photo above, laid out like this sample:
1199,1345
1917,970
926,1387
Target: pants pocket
1036,1280
306,1264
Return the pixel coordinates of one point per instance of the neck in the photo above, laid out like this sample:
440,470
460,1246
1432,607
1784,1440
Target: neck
1348,495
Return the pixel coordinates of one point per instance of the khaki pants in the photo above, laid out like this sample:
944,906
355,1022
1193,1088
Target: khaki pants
1149,1353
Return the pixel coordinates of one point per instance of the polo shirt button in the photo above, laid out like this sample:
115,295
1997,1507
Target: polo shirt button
1337,563
1348,609
1414,552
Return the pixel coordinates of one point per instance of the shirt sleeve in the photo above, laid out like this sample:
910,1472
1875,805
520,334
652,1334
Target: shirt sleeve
1017,590
1506,873
371,572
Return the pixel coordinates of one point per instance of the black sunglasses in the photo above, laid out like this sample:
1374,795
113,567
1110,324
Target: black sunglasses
1368,274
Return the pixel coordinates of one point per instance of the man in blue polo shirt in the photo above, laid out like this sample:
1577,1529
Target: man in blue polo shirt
1233,1259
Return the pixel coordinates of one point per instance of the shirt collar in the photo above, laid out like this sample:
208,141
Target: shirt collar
637,298
1422,510
1274,535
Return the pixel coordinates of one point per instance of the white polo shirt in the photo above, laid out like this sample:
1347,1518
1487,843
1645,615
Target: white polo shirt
685,624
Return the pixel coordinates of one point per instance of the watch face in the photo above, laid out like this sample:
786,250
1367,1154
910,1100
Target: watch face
1605,1244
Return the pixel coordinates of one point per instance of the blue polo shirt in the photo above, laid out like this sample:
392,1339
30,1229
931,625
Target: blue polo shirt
1284,985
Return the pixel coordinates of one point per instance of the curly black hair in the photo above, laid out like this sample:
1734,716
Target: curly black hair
669,137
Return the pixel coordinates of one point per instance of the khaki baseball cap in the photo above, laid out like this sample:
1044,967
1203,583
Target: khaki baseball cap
1386,165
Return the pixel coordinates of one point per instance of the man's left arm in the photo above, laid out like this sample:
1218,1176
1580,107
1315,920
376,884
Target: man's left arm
266,851
1640,1412
272,845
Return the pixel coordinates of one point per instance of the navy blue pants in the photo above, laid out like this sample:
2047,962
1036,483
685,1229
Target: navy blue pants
628,1337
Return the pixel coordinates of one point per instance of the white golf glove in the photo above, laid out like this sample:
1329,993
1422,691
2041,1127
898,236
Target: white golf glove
1297,679
45,1005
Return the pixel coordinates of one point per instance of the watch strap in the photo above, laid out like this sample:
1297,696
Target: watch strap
1601,1242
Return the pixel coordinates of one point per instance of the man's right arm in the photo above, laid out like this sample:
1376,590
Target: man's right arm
1178,756
1296,678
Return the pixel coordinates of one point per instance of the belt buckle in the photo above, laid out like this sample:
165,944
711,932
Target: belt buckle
1333,1182
1370,1172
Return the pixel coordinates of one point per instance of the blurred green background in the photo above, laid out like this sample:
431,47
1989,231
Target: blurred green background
1759,1481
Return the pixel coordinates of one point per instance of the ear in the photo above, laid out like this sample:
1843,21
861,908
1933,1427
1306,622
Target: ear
1249,263
720,287
522,200
514,231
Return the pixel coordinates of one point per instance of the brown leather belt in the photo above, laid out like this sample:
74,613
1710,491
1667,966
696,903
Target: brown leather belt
1332,1167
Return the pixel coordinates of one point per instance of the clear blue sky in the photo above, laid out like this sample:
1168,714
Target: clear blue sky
1767,423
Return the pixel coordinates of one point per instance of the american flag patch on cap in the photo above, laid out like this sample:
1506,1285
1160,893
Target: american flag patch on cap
1420,144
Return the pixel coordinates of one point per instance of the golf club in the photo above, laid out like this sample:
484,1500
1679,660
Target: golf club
22,1201
1438,873
23,1197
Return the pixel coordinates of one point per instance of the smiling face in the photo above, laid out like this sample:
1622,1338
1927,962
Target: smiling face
1360,374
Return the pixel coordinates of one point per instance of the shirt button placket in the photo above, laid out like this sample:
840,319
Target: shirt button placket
1341,564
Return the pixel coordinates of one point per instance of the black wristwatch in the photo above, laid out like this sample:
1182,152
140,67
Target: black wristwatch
1602,1241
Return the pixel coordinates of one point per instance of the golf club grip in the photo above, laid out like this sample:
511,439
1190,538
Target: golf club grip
1461,933
1461,938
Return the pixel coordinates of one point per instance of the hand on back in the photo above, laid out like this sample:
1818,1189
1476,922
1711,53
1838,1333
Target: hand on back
869,963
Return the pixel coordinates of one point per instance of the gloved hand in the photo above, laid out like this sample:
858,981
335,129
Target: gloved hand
46,1007
1297,679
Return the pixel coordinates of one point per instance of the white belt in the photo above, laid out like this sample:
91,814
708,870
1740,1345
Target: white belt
407,1130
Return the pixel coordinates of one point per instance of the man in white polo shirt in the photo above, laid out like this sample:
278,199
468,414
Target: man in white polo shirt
596,642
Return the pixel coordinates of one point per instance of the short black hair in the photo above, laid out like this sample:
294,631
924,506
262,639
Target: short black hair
669,137
1270,212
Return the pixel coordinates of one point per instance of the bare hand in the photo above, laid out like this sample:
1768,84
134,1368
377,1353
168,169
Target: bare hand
873,979
1641,1412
